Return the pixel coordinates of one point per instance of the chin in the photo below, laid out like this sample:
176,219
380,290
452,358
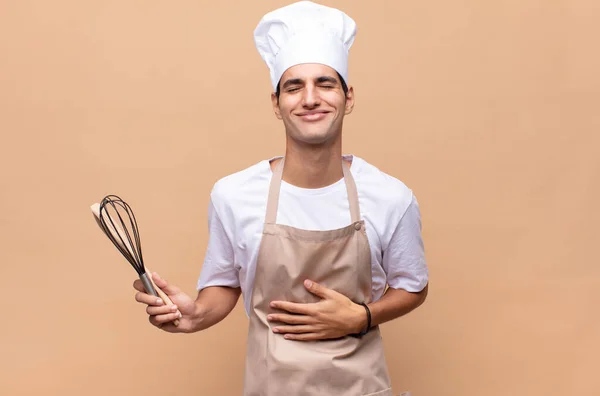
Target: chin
312,134
316,139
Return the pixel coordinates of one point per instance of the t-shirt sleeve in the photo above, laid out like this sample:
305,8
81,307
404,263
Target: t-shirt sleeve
218,268
404,258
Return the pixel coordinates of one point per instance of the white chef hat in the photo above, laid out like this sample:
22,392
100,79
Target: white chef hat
304,32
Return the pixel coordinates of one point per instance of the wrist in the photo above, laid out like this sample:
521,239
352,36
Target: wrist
362,319
197,317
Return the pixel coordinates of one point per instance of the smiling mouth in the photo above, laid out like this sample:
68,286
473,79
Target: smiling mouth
314,116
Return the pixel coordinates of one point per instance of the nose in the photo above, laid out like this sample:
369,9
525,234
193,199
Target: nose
311,97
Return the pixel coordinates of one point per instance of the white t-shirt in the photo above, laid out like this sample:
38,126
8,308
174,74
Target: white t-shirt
237,212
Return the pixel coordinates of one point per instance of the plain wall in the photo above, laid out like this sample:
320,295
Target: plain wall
487,110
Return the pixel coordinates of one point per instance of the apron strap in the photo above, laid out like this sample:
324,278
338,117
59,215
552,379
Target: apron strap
273,200
275,187
352,193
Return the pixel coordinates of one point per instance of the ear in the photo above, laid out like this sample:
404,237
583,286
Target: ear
275,103
350,100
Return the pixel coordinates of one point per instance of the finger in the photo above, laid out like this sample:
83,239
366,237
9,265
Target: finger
163,284
305,336
303,309
318,289
137,285
295,329
165,318
145,298
160,325
292,319
161,310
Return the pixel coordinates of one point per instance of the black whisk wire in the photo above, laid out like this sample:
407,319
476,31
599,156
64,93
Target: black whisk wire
119,234
134,253
130,246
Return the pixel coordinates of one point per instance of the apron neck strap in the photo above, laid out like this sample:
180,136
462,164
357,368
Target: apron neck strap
275,187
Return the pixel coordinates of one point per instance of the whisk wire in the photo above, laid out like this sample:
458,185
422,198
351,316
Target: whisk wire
138,241
130,248
119,243
126,230
127,243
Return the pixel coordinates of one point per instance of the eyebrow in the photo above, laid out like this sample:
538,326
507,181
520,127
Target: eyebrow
327,79
292,81
322,79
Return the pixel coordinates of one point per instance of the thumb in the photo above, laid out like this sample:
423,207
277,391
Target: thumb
317,289
163,284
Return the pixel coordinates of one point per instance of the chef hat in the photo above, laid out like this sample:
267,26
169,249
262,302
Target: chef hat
304,32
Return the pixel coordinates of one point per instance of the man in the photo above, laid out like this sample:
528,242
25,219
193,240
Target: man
311,239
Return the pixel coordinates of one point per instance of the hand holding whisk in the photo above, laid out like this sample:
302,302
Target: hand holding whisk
122,230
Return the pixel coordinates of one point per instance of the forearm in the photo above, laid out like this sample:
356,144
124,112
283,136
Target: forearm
213,304
394,304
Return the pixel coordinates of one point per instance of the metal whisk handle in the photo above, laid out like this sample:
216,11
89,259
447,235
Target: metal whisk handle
153,289
148,285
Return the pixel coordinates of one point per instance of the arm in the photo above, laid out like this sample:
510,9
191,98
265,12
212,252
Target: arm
218,288
404,263
218,284
394,304
335,315
213,304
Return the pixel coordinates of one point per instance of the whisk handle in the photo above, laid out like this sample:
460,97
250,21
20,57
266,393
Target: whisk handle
148,285
154,290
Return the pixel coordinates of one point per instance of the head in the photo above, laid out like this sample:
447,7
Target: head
312,99
306,46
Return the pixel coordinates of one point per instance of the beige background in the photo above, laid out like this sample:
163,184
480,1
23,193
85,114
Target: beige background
487,110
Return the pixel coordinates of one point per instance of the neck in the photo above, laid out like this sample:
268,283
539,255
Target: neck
312,166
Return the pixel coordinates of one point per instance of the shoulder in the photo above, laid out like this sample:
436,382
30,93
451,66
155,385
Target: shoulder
241,187
380,188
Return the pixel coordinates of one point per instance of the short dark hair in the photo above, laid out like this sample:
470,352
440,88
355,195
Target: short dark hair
344,86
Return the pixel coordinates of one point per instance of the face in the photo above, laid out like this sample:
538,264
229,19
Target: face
312,103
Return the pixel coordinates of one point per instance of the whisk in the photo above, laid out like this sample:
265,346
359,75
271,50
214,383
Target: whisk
122,230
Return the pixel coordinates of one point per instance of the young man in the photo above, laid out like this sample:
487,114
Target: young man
311,239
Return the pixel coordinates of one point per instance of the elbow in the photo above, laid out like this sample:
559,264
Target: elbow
422,295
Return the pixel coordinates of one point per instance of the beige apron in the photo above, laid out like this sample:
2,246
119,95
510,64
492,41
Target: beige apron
339,259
